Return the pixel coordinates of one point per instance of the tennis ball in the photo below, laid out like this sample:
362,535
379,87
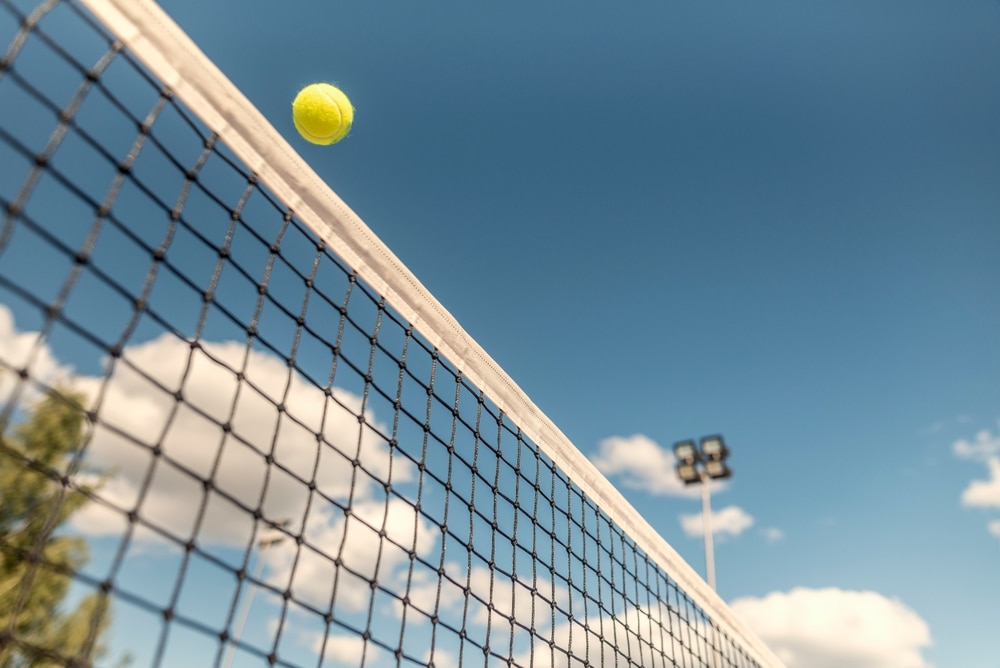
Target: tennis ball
322,113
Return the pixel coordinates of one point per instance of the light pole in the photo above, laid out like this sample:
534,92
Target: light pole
695,467
270,537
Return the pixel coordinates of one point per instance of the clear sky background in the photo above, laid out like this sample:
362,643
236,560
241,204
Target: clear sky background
778,221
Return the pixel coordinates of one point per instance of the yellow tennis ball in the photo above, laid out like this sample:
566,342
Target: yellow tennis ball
322,113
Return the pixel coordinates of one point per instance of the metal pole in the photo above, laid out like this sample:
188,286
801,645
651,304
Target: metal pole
245,609
266,541
706,512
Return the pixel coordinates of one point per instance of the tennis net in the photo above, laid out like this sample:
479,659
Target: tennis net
236,430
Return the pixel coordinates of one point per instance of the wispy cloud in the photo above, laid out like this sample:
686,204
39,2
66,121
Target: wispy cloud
938,426
730,521
830,628
981,448
994,528
772,534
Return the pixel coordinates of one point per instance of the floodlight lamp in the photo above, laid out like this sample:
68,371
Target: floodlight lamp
687,452
713,447
717,469
688,473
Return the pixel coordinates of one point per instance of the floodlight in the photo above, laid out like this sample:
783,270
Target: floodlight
714,448
688,473
717,469
687,452
701,466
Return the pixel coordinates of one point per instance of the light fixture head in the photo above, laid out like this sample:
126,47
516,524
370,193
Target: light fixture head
688,473
687,452
713,447
717,469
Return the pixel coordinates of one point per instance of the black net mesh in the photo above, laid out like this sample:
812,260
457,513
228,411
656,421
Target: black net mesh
221,447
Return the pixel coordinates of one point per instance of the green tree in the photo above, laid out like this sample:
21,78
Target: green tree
37,563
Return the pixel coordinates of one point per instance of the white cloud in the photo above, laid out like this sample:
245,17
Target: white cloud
427,590
440,659
497,602
644,465
139,411
366,555
772,534
21,349
509,599
984,493
634,633
135,415
984,446
339,649
342,651
831,628
731,521
495,612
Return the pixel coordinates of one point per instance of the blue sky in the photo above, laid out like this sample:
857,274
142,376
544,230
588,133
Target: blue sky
778,221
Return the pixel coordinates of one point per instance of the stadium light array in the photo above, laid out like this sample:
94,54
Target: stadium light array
702,466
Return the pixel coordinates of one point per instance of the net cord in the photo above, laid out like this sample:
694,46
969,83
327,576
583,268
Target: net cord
162,46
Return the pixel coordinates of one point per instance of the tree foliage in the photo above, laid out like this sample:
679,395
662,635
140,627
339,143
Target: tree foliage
37,562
